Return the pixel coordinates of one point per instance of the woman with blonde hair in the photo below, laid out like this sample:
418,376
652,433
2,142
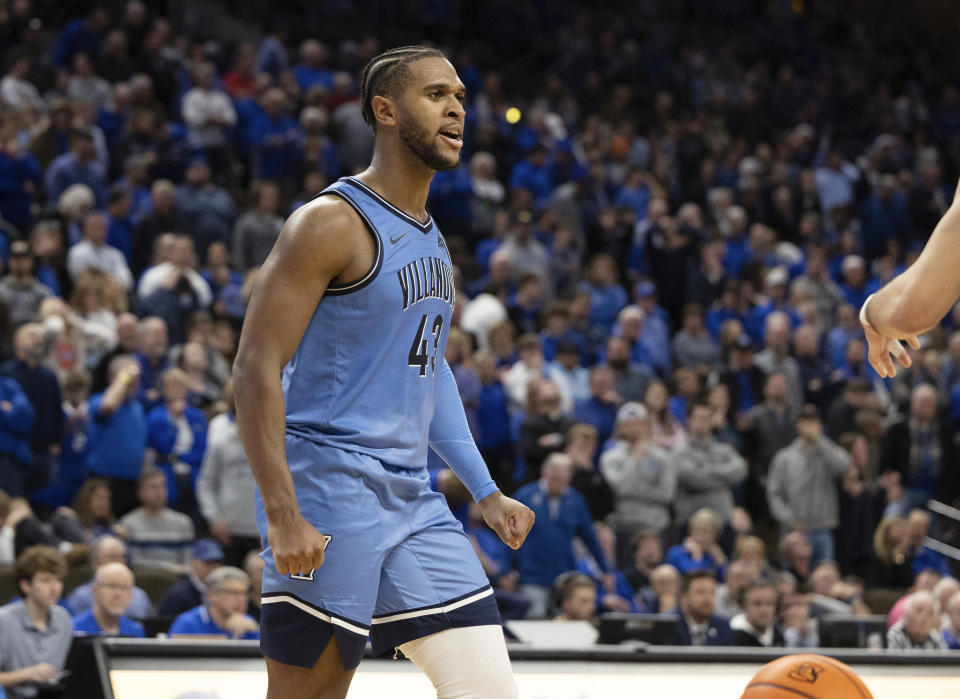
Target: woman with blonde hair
892,545
753,551
92,313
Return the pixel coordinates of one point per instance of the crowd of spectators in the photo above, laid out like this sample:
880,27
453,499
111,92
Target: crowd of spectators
662,228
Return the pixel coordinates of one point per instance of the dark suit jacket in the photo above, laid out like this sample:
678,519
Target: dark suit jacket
744,638
718,632
895,456
757,379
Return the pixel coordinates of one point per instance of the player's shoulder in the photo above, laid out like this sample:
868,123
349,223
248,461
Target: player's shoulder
325,214
325,231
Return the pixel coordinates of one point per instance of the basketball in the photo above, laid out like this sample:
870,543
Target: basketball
806,676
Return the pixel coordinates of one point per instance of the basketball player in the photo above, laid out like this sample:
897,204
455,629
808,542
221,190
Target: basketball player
915,301
353,308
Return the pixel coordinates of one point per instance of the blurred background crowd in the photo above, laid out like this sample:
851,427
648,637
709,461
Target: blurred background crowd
667,217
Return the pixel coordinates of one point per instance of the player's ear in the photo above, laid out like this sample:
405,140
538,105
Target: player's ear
384,110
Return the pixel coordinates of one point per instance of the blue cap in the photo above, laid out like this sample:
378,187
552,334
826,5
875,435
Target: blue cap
207,550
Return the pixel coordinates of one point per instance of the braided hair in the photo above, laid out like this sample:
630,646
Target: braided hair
387,74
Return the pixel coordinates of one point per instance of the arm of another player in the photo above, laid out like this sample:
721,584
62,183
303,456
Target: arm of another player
915,301
450,437
313,249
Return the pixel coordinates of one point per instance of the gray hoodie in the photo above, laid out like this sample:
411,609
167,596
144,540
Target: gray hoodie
705,473
644,488
225,485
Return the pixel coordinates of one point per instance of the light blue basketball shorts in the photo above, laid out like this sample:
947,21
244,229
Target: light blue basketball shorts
398,565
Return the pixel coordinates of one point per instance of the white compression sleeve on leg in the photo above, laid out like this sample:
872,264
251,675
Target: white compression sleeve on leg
465,663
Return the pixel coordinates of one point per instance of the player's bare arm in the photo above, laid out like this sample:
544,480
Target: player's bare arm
322,242
915,301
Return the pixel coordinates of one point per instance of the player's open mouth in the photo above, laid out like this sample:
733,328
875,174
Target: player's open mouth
453,136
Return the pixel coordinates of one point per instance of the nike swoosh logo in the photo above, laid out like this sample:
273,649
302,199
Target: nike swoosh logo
397,239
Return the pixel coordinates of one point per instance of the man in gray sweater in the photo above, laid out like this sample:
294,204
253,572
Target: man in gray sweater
802,485
706,469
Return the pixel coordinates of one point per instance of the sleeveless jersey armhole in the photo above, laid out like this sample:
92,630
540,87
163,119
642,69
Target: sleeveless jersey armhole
371,273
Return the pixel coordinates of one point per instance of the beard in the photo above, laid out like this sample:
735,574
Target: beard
618,364
419,142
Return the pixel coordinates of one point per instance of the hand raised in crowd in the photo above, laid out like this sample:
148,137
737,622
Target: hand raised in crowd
668,603
693,548
611,397
741,521
716,552
239,624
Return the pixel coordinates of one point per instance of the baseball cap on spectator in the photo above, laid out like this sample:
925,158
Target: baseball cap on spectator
20,248
852,261
631,411
643,289
776,276
208,551
523,217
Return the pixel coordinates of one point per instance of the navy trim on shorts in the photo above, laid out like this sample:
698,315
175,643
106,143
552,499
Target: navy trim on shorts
380,618
388,633
295,632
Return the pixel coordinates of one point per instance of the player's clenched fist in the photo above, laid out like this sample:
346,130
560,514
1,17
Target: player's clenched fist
297,546
511,520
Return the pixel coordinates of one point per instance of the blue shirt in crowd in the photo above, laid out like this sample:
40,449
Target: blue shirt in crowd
597,413
680,558
117,442
548,551
198,621
85,624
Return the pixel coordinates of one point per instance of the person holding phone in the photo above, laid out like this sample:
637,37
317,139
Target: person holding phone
35,632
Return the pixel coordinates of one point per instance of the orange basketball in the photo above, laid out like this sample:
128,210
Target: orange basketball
806,677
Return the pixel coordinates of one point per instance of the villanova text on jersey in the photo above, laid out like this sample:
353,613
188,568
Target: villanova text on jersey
428,277
364,376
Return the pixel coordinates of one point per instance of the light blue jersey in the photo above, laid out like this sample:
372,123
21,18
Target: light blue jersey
364,376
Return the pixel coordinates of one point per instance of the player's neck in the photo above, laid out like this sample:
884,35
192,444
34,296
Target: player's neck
402,181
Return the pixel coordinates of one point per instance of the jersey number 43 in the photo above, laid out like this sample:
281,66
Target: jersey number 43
419,355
